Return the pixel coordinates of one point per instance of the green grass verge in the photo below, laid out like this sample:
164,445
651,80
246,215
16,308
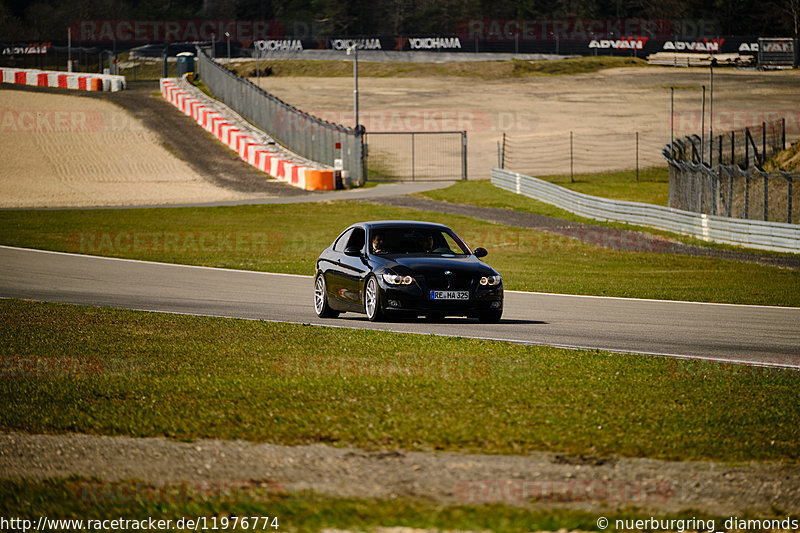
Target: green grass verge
652,186
81,498
482,193
288,238
117,372
490,70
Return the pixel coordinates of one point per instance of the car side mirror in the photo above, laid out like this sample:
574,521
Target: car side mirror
352,251
481,252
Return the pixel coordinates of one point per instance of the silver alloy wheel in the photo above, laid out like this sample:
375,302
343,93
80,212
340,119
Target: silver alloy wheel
371,298
319,294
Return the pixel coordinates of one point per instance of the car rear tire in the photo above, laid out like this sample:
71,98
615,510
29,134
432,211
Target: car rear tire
321,305
372,300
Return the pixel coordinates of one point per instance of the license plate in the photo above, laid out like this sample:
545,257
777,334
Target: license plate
449,295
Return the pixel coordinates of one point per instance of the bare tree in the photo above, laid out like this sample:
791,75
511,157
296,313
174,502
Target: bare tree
793,8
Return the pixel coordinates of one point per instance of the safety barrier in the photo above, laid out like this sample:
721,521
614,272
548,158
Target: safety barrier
773,236
64,80
254,147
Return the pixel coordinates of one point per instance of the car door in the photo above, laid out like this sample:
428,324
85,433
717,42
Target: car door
353,267
334,272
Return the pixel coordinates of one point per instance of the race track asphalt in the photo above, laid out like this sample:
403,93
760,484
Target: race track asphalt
747,334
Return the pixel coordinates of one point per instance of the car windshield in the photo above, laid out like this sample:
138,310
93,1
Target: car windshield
416,240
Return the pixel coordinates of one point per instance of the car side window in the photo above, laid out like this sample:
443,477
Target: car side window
356,240
341,242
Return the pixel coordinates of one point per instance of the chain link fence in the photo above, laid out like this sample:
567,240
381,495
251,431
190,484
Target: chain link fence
726,175
567,154
306,135
417,155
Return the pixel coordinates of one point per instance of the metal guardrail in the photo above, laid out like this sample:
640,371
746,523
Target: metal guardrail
773,236
306,135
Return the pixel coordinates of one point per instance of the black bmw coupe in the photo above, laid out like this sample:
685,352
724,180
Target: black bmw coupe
403,268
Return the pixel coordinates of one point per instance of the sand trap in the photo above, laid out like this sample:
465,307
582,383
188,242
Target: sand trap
63,150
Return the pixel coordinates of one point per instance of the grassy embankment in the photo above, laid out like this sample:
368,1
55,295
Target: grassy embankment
142,70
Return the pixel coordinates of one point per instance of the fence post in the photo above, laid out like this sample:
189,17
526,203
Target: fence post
746,195
637,157
413,157
571,161
730,192
789,202
504,151
714,181
747,140
763,158
464,155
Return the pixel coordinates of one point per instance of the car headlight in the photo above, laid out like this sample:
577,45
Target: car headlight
395,279
490,280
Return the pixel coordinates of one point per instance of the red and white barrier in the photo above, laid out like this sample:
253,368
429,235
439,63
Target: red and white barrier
264,157
64,80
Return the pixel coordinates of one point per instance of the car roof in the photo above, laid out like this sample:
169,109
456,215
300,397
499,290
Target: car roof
376,224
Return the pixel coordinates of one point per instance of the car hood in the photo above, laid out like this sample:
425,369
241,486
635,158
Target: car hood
435,264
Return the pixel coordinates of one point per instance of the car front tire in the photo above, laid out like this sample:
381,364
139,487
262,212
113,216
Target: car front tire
490,317
321,305
372,300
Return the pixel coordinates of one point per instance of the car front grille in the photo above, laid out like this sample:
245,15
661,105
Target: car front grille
453,282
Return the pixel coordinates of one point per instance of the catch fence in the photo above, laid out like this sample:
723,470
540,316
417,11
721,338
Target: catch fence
306,135
727,175
417,155
570,153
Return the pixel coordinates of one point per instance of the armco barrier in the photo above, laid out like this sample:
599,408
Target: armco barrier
252,146
773,236
64,80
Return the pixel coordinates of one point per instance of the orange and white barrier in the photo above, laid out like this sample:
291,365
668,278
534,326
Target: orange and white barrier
264,157
65,80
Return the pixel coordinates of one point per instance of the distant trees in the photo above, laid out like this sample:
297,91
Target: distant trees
48,19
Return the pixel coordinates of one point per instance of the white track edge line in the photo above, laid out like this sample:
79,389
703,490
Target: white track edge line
489,339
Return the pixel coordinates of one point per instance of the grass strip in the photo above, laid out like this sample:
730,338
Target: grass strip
482,193
652,186
288,238
105,371
222,503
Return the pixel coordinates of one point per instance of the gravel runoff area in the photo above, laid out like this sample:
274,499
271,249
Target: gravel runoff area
536,480
78,149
